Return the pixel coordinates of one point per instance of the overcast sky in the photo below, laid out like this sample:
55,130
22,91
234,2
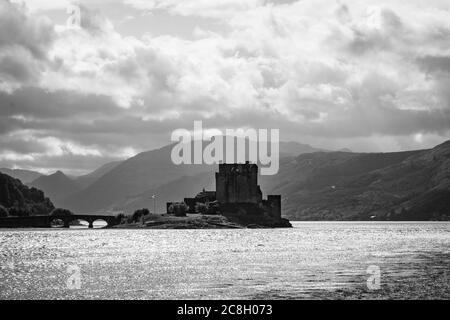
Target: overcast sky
367,75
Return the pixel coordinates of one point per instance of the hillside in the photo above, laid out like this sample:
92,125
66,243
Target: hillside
56,186
21,200
25,176
86,180
177,190
411,185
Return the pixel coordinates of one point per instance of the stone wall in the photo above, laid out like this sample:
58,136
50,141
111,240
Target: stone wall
273,204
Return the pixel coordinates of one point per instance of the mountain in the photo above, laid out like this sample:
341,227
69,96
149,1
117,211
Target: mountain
131,177
292,148
147,173
57,186
190,185
87,179
26,176
412,185
177,190
21,200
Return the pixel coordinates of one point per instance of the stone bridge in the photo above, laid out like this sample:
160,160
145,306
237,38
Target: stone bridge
45,221
110,220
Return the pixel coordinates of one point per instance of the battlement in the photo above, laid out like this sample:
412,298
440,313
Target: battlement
238,168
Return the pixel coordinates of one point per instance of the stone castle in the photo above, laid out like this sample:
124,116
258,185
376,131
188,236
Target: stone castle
237,193
237,188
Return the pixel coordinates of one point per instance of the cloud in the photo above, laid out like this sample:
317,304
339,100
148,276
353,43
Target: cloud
24,43
318,70
435,64
22,30
203,8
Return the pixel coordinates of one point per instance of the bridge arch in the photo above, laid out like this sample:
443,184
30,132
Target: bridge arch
99,220
90,219
65,220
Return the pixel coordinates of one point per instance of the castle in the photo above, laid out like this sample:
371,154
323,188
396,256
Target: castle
237,190
237,193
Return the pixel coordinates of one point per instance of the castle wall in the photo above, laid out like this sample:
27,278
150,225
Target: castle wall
274,202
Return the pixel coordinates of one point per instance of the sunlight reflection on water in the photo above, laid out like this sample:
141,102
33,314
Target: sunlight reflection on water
311,260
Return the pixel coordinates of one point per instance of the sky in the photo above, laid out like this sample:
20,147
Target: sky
77,93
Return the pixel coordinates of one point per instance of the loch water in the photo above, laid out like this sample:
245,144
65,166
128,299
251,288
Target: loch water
312,260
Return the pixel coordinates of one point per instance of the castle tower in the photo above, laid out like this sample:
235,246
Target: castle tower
238,183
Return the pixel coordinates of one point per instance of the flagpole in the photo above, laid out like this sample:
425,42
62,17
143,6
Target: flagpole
154,203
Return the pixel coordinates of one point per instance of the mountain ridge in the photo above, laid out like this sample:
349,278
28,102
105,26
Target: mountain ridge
363,186
25,176
57,186
147,170
87,179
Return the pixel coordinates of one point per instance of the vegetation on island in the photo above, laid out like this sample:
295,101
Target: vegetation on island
61,212
3,212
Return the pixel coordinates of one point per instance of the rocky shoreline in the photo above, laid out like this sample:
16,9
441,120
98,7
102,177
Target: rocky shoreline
201,221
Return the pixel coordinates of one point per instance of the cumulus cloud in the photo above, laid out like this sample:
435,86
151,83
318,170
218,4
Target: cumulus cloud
205,8
24,43
359,74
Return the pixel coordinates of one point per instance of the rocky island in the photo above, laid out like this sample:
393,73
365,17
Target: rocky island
199,221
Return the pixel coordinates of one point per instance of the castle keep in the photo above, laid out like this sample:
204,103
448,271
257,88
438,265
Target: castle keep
237,188
238,183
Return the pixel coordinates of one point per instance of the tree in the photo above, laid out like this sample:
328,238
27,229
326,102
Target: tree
121,218
3,212
138,214
178,209
61,212
201,208
19,211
